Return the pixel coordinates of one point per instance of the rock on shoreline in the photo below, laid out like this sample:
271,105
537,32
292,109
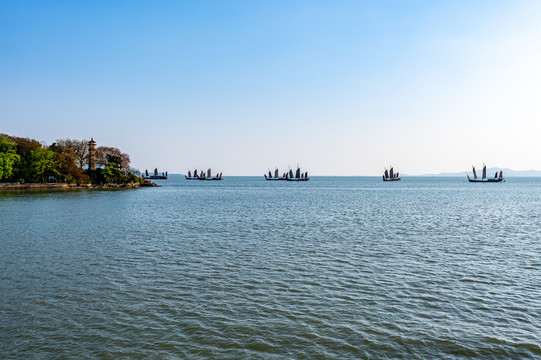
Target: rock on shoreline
54,186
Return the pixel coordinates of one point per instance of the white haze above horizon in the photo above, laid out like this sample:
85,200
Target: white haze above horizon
341,88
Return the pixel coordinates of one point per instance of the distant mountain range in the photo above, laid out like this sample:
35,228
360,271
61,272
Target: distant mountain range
492,171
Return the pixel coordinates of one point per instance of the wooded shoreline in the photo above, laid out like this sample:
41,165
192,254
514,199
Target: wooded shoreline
67,163
64,186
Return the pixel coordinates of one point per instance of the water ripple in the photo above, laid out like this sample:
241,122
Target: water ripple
334,268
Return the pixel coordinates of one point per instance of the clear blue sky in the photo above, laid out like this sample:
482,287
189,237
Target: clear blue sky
341,87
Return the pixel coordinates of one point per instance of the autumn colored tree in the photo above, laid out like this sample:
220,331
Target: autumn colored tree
103,151
79,147
67,159
24,145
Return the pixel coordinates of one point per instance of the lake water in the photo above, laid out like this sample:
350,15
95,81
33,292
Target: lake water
333,268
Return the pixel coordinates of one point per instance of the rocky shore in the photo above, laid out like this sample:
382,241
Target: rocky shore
54,186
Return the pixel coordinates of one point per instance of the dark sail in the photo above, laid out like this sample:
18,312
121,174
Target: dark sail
484,172
189,173
391,173
146,172
298,173
156,172
474,173
270,175
501,174
290,174
276,173
386,174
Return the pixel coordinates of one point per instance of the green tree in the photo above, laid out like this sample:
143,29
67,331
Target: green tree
25,146
8,157
42,163
111,171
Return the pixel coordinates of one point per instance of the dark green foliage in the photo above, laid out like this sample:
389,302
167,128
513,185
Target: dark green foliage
111,173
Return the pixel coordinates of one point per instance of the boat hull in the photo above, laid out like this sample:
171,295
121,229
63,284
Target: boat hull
395,179
154,177
303,179
194,178
485,180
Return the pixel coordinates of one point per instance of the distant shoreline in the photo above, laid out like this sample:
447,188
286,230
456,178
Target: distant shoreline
55,186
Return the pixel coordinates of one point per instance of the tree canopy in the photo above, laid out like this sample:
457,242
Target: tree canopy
8,157
103,152
66,161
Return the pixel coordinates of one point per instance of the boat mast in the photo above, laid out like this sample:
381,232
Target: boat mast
484,171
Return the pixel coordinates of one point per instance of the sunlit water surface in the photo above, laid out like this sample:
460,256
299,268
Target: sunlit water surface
334,268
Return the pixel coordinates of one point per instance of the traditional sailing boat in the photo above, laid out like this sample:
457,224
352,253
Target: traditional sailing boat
484,179
156,175
298,175
390,175
190,177
276,176
202,175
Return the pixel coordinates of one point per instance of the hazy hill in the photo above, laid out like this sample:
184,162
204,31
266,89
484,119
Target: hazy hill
492,171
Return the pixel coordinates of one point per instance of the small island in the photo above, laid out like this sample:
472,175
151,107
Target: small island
27,164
